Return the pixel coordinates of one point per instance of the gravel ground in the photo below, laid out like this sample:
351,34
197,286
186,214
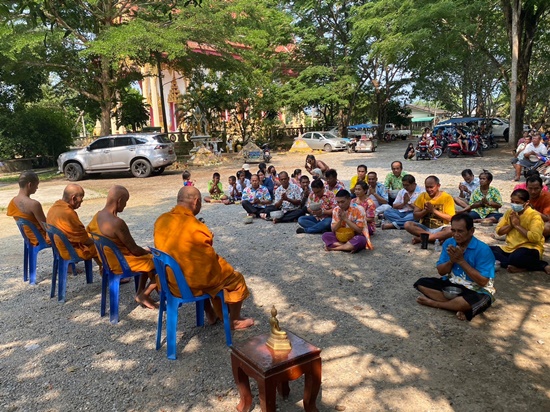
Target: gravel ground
381,351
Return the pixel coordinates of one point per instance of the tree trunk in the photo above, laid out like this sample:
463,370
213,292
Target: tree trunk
106,103
515,5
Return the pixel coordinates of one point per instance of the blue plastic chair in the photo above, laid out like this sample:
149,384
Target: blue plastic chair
30,251
62,265
170,303
112,279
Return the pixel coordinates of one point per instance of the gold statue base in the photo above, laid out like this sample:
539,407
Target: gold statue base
278,343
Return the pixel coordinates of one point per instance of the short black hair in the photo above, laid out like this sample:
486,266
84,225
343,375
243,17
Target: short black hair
467,172
409,179
186,175
488,174
331,173
216,174
232,178
304,177
466,218
364,167
532,179
317,184
397,161
521,193
343,193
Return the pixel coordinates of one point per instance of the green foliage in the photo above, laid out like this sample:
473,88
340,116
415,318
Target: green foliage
35,130
133,113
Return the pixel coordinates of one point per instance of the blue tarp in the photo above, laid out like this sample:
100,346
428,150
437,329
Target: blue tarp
363,126
460,120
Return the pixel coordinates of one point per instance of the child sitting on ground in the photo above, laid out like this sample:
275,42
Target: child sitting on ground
186,176
234,193
215,189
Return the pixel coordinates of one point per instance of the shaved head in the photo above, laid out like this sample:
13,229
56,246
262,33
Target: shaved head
71,190
117,192
27,177
190,198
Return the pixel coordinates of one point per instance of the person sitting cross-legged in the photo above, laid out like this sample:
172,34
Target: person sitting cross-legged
351,217
466,188
403,207
288,199
466,263
378,193
332,182
434,210
540,201
215,190
255,198
484,201
319,218
523,227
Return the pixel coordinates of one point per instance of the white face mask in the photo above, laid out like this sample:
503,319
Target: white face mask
517,208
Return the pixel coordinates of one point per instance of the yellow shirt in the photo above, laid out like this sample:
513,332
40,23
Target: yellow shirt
443,203
530,220
353,182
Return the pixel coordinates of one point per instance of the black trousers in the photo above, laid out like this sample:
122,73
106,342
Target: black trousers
251,209
523,257
289,216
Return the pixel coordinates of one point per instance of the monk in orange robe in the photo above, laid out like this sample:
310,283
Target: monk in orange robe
62,215
107,223
23,207
180,234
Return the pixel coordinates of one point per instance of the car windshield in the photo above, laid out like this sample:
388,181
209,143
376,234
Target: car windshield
329,135
161,138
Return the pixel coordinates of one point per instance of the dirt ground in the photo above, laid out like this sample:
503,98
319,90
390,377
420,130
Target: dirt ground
381,350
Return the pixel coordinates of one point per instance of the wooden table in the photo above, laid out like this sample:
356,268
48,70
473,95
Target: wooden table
272,370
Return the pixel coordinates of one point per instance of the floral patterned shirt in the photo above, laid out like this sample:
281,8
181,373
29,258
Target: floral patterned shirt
261,193
493,195
338,186
293,192
328,201
394,182
370,211
357,215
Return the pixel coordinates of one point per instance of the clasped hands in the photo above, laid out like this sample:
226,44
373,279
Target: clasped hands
455,254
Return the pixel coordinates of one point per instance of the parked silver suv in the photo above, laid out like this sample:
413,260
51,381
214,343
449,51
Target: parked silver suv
141,153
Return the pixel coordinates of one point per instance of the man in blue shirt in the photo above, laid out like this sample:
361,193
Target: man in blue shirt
466,263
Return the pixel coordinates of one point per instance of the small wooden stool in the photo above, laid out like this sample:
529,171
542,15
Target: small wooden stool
272,370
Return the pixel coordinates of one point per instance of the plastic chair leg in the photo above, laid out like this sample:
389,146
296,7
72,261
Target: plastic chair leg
162,309
199,312
25,262
114,293
171,329
56,270
89,271
62,282
136,282
33,255
226,321
104,284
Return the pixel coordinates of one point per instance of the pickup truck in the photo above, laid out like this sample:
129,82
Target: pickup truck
394,132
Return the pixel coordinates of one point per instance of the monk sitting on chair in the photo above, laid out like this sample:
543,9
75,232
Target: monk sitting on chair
23,207
62,215
189,241
107,223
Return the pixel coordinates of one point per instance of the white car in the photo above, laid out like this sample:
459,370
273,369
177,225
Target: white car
500,128
141,153
323,141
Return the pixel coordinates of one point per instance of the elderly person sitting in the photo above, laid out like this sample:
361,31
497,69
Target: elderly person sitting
403,208
348,228
288,199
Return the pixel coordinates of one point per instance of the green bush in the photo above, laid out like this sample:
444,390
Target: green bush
35,130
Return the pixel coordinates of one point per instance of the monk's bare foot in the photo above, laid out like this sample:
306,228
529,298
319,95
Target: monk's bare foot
242,323
416,240
547,269
146,301
460,316
513,269
211,317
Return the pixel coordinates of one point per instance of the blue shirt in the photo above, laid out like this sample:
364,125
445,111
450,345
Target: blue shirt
480,257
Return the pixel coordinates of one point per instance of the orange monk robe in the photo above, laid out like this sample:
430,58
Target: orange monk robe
63,217
142,263
189,242
17,214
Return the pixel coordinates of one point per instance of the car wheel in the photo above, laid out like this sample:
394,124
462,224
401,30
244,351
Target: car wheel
158,171
141,168
73,172
328,148
506,135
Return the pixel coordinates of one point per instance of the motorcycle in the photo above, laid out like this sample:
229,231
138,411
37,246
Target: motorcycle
266,152
488,141
422,152
454,148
